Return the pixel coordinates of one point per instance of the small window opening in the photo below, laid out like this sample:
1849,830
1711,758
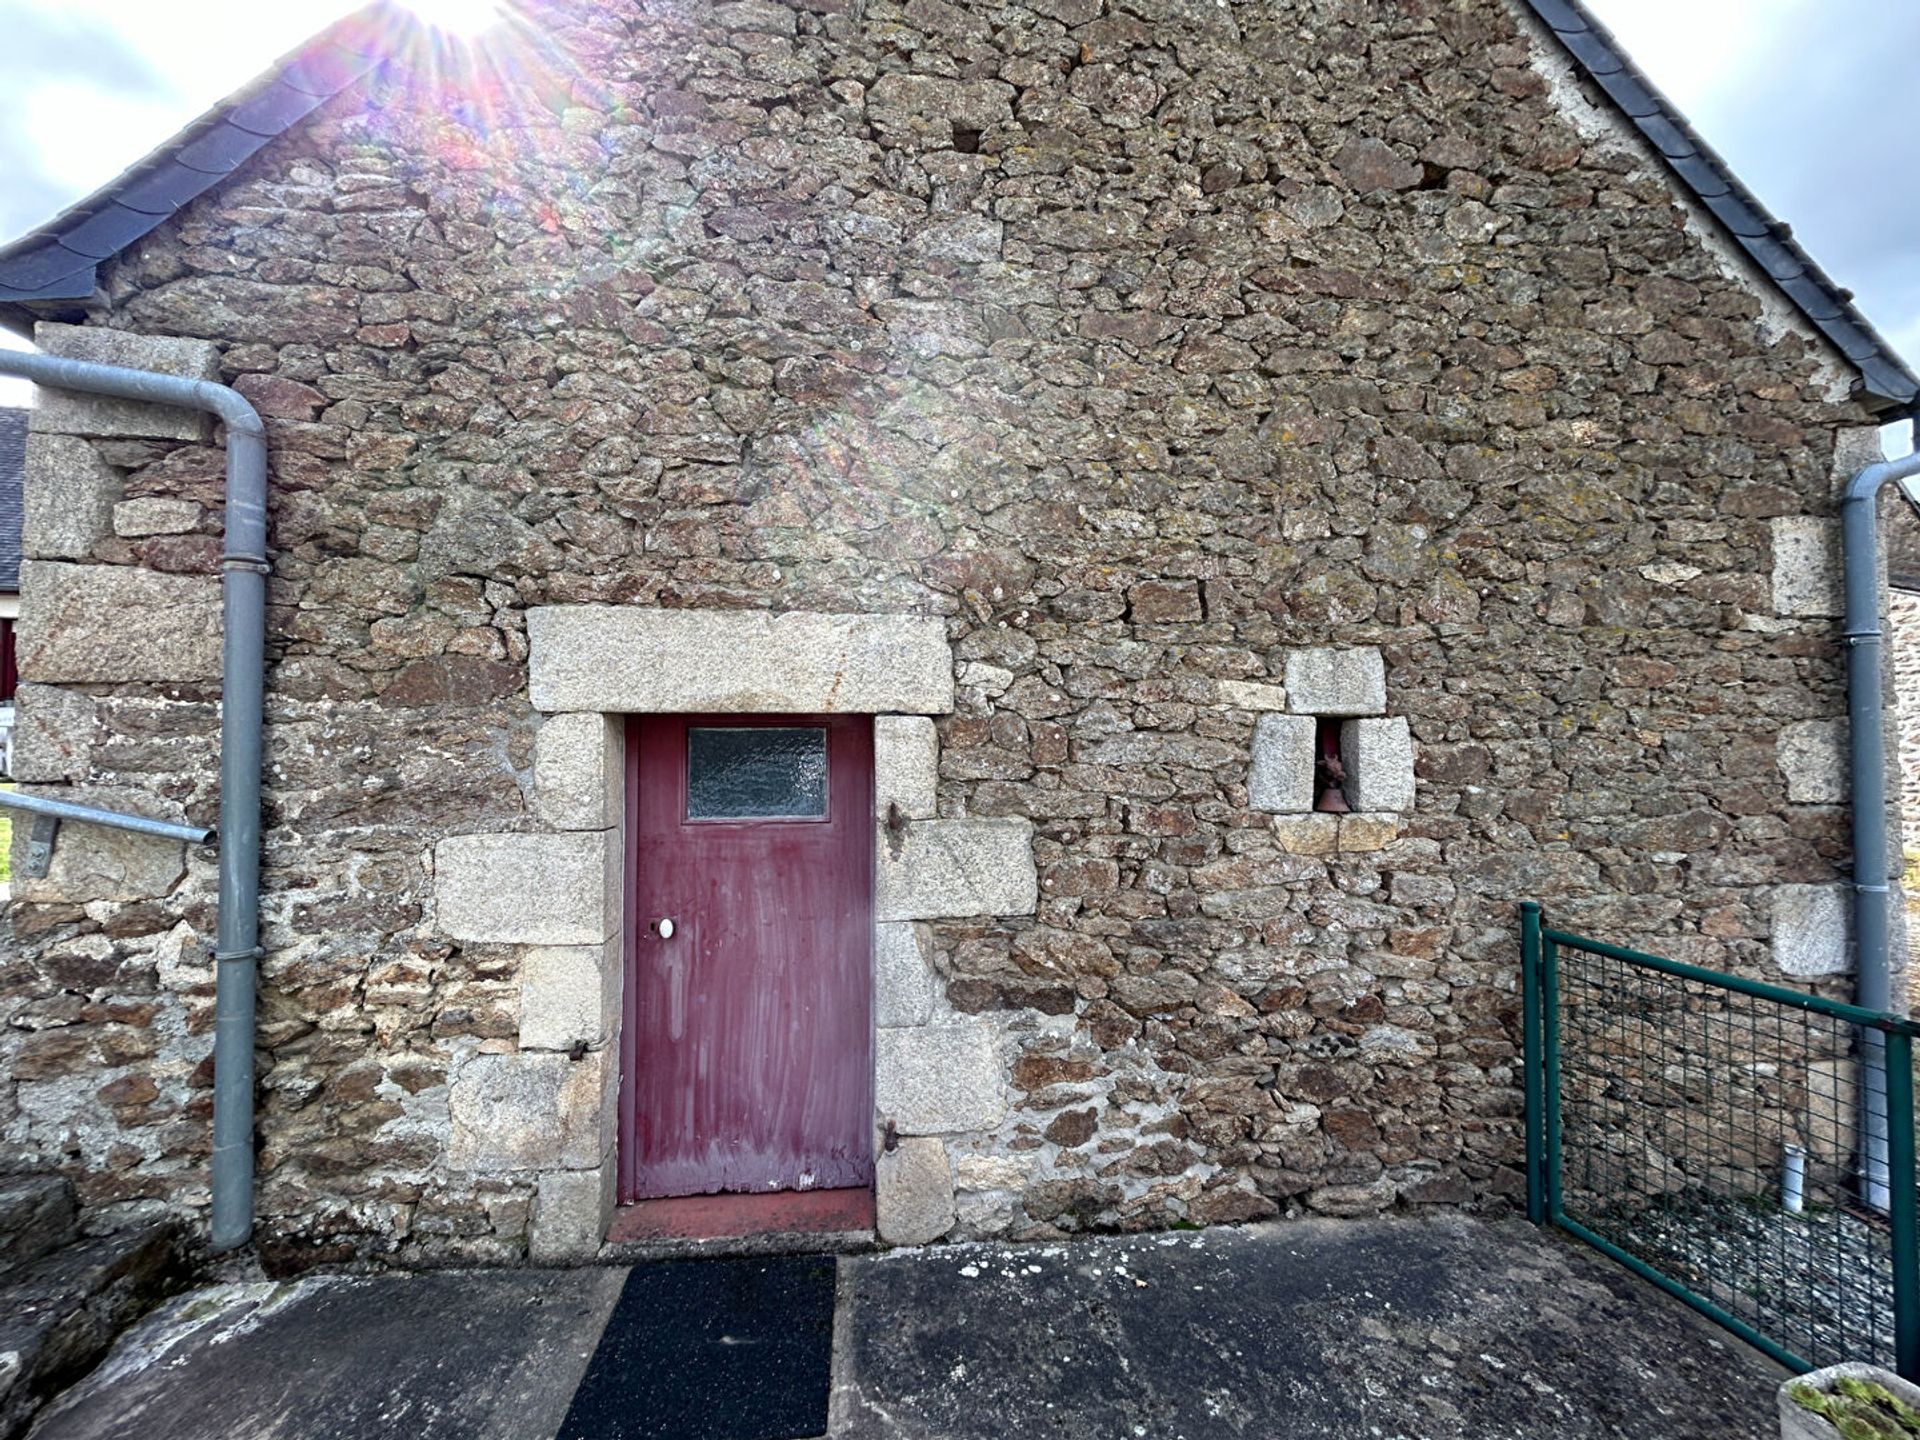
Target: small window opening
1329,775
756,772
966,141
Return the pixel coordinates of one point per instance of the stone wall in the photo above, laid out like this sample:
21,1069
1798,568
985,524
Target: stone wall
1900,531
1903,649
1166,358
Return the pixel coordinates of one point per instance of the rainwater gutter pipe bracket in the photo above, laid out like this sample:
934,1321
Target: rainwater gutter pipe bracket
1867,765
243,598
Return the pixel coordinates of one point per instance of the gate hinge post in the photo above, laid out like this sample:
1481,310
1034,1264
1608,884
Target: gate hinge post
1533,1061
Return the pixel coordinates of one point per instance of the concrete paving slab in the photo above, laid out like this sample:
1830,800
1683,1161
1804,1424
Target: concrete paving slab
477,1355
1441,1329
1398,1329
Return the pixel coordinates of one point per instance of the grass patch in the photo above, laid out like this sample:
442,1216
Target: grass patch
6,843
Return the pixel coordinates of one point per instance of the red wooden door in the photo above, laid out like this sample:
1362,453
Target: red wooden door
747,1053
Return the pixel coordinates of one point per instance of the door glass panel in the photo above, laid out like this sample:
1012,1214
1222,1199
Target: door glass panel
756,772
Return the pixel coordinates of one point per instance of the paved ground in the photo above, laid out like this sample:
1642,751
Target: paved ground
439,1355
1445,1329
1398,1329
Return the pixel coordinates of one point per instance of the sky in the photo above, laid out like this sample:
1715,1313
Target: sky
1803,97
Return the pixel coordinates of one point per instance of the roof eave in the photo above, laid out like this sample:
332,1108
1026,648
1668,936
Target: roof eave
1887,384
52,272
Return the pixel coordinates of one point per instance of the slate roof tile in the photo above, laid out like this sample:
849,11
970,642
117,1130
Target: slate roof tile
1700,175
1591,51
161,188
1738,216
1559,14
77,286
107,231
45,263
324,69
274,109
1668,138
221,149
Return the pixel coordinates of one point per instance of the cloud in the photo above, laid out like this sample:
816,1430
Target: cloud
70,60
1822,125
87,87
48,42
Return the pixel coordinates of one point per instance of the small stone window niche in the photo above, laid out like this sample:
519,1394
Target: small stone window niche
1304,778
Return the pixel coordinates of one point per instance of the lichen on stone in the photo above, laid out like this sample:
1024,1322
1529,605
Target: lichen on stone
1859,1409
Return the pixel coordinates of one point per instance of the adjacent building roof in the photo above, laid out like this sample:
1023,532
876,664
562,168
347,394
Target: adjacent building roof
52,273
13,469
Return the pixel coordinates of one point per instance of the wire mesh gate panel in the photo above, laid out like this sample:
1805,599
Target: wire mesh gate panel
1748,1148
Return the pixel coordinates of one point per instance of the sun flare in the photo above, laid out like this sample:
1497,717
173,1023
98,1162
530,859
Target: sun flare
465,18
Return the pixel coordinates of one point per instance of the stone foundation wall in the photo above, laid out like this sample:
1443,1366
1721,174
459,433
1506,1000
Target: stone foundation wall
1173,365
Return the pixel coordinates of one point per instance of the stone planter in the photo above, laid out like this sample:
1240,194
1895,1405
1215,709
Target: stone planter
1799,1424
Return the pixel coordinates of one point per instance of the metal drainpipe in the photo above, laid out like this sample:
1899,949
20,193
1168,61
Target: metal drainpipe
243,590
1872,890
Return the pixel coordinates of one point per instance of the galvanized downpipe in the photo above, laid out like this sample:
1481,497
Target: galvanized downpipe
243,594
1872,887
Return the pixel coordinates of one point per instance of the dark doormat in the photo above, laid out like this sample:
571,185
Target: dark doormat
712,1350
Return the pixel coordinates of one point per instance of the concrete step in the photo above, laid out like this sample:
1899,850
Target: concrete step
60,1312
37,1214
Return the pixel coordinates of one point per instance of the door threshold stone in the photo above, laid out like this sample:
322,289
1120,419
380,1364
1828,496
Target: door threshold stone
778,1223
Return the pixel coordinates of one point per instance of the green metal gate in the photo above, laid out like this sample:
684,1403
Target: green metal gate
1745,1147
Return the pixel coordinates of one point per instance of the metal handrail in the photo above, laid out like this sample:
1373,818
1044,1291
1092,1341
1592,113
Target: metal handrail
93,815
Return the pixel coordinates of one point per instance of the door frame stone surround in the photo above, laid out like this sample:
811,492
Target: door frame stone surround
548,1110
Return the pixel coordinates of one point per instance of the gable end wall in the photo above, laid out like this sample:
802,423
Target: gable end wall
1140,348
